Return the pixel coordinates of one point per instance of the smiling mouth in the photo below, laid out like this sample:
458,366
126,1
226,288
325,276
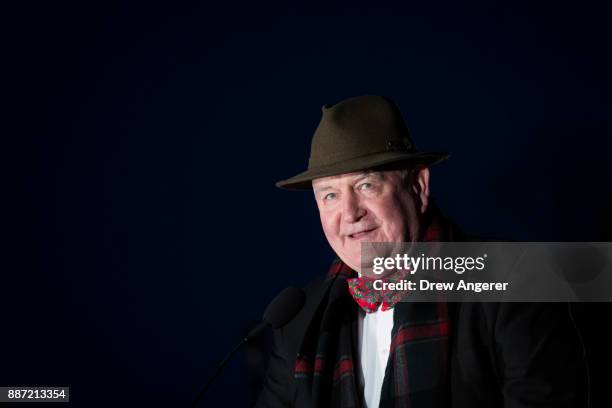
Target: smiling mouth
361,234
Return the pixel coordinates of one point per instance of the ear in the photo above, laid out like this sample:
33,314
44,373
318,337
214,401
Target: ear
421,186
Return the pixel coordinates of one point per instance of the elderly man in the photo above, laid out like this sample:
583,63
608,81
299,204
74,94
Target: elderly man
353,347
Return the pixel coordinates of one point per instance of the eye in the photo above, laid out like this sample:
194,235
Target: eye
365,186
329,196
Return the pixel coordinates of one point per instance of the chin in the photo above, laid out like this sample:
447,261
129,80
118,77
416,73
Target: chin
352,262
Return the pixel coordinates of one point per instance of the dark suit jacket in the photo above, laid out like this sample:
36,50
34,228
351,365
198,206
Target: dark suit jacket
502,355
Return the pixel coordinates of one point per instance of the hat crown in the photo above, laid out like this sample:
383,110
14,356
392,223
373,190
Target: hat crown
359,133
356,127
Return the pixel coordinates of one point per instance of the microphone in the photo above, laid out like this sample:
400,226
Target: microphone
279,312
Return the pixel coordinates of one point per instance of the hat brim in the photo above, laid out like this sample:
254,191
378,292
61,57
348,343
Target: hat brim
303,181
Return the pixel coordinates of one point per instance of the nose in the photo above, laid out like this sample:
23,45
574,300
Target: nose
352,208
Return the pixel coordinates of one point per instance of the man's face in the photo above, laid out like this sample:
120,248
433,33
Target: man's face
370,206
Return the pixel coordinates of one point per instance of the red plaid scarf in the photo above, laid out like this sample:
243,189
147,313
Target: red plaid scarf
417,370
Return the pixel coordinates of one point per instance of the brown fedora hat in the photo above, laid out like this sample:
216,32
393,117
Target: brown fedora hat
357,134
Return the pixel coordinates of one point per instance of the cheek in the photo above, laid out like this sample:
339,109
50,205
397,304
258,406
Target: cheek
394,232
395,226
330,226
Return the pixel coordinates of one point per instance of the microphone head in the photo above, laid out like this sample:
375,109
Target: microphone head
284,307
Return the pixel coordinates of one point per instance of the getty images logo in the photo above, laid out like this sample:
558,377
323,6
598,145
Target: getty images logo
458,264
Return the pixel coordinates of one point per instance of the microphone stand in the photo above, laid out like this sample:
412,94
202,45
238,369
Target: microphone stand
223,362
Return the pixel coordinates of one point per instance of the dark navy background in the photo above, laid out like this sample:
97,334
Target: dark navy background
141,143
